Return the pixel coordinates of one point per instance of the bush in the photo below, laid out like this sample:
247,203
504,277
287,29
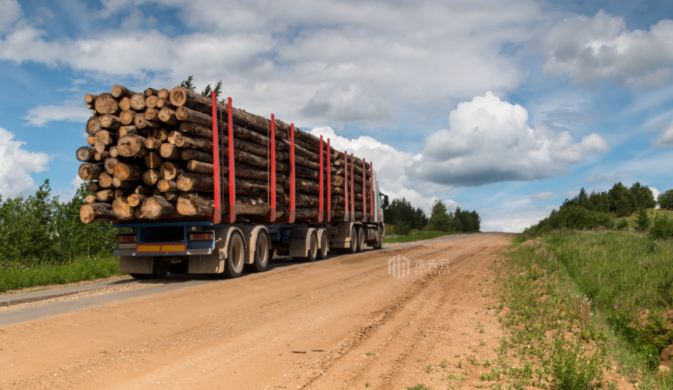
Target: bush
666,200
572,217
643,220
662,227
623,224
403,228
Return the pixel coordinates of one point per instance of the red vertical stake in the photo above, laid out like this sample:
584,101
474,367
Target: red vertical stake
364,190
292,174
371,190
346,209
272,212
329,183
322,185
232,177
352,190
217,212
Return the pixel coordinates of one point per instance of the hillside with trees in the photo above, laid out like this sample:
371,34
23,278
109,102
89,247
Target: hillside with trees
405,218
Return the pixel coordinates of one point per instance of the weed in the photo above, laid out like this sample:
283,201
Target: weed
429,368
444,363
419,387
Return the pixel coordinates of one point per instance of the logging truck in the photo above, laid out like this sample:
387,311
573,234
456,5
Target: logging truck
227,232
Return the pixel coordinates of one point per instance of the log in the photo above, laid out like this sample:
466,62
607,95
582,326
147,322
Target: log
167,115
191,182
90,199
127,172
161,103
135,200
92,186
191,154
90,140
200,167
90,171
105,180
92,125
304,213
109,122
106,104
160,133
157,207
167,185
192,204
125,104
151,101
180,140
140,121
126,185
153,143
153,160
113,151
151,177
119,92
99,146
170,196
171,169
127,117
189,115
152,114
163,93
106,195
151,92
131,146
122,209
96,212
128,130
140,190
86,154
304,200
89,98
169,151
105,137
198,130
101,156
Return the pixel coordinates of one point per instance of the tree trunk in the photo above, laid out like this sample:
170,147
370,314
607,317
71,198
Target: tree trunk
152,114
157,207
90,199
126,172
193,204
131,146
160,134
151,92
140,190
153,143
109,122
96,212
153,160
128,130
105,137
106,195
89,98
122,209
90,171
127,116
113,151
167,115
90,140
129,185
197,130
106,104
101,156
86,154
92,125
200,167
191,154
125,104
180,140
105,180
161,103
119,92
169,151
92,186
171,169
304,213
110,163
190,182
151,177
163,93
188,115
151,101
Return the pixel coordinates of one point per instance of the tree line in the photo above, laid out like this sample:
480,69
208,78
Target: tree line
405,217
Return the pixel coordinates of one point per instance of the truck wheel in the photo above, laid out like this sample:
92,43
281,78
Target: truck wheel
262,253
354,242
233,266
361,240
324,247
312,249
379,239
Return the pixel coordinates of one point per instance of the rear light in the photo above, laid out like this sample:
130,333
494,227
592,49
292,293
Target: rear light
201,237
126,238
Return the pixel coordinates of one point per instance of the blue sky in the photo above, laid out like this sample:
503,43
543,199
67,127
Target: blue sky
507,107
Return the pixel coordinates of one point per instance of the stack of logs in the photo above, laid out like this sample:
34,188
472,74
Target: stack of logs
150,158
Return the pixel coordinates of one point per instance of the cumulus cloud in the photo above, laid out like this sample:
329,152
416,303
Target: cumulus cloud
666,137
11,12
602,48
490,141
327,60
542,196
514,220
41,115
16,165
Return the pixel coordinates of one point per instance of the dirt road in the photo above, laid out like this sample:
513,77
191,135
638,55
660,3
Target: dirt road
344,323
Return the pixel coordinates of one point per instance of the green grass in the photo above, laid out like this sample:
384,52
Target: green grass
607,299
416,236
15,276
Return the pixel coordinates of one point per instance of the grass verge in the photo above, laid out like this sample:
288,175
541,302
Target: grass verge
585,310
16,276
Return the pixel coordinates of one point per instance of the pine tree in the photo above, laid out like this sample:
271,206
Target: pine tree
643,221
188,84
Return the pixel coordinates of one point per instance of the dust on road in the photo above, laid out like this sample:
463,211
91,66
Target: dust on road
336,324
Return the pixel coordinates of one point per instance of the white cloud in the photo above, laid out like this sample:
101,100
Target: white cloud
602,48
490,141
542,196
656,194
607,178
16,165
41,115
327,60
513,221
666,137
11,12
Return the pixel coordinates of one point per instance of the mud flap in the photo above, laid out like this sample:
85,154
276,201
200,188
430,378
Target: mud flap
136,265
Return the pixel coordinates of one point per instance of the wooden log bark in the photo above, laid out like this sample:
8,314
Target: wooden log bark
106,195
152,114
125,104
90,198
92,186
127,117
106,104
90,140
167,115
86,154
131,146
151,101
178,139
128,130
109,165
191,154
193,204
105,180
135,200
123,185
151,177
189,115
200,167
119,91
151,92
90,171
160,133
90,98
113,151
140,190
169,151
96,212
157,207
153,160
172,169
191,182
167,186
101,156
153,143
163,93
92,125
109,122
127,172
197,130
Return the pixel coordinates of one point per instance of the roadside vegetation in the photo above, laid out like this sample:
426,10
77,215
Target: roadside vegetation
404,223
42,241
587,301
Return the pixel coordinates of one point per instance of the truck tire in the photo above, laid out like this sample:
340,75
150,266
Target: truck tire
233,266
379,239
354,242
312,249
361,240
324,247
262,253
